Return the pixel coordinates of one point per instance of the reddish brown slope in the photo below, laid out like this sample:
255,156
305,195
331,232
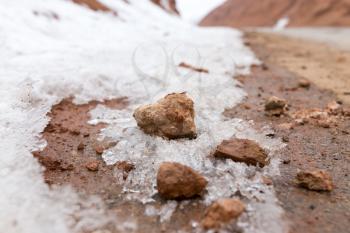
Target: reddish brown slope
242,13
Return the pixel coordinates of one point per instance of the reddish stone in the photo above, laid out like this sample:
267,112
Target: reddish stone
177,181
222,212
242,150
316,180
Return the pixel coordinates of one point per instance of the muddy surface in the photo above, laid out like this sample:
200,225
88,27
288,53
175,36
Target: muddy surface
308,145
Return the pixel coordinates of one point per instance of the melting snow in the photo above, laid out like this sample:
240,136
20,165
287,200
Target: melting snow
94,55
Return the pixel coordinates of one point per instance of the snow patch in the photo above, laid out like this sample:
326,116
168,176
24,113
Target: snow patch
195,10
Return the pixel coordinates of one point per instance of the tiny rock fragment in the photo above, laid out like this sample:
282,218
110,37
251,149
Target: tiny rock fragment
177,181
285,126
197,69
334,108
222,212
125,167
81,146
171,117
316,180
275,106
264,66
346,112
99,148
92,165
266,180
304,83
242,150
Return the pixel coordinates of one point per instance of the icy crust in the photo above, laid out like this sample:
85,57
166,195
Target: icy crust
226,178
27,204
93,55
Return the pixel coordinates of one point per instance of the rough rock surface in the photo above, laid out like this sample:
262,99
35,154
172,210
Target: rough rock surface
317,180
241,13
242,150
275,106
171,117
222,211
177,181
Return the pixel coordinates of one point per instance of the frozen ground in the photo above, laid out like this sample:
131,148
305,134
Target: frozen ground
50,50
337,36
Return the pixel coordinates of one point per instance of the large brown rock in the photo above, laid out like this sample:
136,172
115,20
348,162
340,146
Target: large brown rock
243,13
171,117
177,181
222,212
242,150
316,180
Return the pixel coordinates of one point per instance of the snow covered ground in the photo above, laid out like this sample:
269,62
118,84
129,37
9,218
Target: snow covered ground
50,50
195,10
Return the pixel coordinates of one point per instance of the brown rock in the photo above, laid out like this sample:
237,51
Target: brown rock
99,148
275,106
334,108
222,212
81,146
242,150
125,167
304,83
171,117
177,181
317,180
92,165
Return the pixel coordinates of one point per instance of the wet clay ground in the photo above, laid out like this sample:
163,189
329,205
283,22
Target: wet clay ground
73,155
308,145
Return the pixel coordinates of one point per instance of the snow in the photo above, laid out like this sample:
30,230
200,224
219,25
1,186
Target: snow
281,24
95,55
195,10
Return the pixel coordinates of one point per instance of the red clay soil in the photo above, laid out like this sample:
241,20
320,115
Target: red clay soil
251,13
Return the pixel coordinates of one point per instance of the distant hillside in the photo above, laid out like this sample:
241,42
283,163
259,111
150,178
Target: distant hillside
242,13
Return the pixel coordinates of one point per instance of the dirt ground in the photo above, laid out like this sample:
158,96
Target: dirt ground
308,145
325,66
72,155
